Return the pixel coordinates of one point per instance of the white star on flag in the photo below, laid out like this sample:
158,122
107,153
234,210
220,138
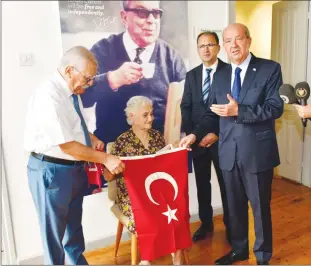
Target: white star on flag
170,214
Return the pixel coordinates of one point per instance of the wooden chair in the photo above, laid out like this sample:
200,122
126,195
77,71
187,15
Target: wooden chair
122,219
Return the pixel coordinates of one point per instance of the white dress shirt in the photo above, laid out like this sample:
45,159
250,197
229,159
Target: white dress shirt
130,47
52,119
204,74
243,66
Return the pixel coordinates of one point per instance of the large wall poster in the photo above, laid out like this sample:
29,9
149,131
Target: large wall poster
98,26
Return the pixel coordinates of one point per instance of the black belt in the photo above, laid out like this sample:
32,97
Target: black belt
56,160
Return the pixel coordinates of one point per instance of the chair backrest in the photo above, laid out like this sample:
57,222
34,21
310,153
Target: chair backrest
112,185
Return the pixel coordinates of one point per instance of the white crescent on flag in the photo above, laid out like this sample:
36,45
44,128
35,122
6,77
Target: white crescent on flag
157,176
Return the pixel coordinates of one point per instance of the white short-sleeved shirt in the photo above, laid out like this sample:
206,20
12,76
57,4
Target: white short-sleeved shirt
52,119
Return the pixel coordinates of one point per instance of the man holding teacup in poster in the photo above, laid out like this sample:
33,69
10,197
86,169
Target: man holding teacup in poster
135,62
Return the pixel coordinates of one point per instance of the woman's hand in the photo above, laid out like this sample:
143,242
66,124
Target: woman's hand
107,175
303,111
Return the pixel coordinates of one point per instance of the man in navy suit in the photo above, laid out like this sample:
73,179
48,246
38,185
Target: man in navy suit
246,97
193,105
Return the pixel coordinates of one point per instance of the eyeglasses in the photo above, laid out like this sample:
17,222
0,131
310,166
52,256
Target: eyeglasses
210,45
145,13
87,79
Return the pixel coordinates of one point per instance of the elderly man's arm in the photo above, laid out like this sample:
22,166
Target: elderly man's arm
97,144
58,131
84,153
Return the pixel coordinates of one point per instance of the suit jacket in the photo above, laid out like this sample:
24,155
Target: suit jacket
192,105
250,137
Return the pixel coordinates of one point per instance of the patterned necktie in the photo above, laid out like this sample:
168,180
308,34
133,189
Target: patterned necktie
137,59
84,127
207,84
236,88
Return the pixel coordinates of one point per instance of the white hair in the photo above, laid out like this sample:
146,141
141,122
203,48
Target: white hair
135,103
78,57
246,30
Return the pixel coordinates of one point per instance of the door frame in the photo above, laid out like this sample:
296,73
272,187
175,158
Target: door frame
306,164
280,12
7,238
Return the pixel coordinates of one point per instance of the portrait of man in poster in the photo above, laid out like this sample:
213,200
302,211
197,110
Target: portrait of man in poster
137,45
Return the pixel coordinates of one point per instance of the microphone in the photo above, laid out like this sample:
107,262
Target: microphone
302,93
287,94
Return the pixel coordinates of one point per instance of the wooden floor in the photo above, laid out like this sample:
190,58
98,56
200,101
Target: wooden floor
291,216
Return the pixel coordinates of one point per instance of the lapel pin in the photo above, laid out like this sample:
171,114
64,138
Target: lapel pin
254,69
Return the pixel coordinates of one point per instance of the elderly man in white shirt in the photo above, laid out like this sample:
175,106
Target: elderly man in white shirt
57,137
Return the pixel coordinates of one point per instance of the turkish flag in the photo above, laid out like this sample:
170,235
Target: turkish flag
158,189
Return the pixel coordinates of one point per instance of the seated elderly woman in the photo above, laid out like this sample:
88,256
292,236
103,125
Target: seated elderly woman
141,139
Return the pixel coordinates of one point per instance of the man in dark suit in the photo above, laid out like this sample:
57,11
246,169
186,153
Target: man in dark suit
193,106
248,149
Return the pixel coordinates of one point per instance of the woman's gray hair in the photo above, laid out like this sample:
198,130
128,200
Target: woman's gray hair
133,104
78,57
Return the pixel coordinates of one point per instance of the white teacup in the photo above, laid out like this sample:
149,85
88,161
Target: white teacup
148,70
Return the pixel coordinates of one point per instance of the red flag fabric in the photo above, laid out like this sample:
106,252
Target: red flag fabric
94,172
158,189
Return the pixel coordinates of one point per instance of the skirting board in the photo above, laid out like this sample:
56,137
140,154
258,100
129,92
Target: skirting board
97,244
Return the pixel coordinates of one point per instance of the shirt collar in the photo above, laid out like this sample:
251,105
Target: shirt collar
62,84
244,64
130,45
213,66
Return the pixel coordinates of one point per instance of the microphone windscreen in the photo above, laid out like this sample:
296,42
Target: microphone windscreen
302,91
287,94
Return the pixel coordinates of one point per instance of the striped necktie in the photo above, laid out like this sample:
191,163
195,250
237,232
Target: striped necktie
207,84
137,59
83,124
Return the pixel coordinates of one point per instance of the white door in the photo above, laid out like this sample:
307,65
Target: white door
289,48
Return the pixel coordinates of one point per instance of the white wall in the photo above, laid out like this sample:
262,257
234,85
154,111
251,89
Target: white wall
27,27
35,27
206,15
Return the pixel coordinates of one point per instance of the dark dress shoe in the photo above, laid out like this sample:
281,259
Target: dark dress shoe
202,232
231,258
262,262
